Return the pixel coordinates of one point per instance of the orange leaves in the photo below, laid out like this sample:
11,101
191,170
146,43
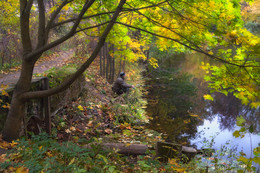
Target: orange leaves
22,170
6,145
108,131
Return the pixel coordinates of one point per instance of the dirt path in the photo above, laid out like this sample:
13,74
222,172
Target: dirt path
56,60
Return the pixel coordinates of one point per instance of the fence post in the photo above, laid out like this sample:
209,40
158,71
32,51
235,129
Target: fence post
46,107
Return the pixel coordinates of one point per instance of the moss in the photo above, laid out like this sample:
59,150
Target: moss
56,75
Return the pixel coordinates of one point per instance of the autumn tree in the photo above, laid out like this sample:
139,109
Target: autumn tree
198,25
9,33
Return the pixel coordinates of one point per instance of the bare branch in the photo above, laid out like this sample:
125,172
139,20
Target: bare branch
95,26
73,19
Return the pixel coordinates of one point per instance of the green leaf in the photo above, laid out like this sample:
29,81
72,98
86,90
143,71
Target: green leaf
240,121
242,159
256,160
236,134
251,129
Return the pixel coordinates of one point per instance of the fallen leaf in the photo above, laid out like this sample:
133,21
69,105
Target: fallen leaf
108,131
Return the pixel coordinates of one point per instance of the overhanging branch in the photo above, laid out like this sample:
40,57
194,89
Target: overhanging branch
175,40
105,13
91,27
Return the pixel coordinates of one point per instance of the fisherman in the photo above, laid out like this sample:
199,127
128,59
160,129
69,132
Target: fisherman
120,86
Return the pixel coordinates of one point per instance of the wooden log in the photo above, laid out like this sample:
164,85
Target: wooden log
188,153
165,150
126,149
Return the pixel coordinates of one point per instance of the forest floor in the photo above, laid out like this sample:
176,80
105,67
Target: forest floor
46,62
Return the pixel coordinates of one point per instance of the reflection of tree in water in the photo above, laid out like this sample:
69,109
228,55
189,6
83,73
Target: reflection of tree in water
170,98
229,108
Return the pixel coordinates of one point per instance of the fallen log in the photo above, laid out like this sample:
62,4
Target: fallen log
164,150
126,149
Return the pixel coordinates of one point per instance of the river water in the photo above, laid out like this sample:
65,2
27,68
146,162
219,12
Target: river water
179,111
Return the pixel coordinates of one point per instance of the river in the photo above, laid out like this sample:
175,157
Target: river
181,114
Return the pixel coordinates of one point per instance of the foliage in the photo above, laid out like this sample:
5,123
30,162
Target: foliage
57,75
43,153
9,14
244,86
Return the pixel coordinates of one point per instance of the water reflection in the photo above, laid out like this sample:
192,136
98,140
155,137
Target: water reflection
176,90
170,100
228,108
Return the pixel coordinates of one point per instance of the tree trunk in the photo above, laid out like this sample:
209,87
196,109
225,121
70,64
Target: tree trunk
113,66
107,67
126,149
16,113
104,60
110,64
100,62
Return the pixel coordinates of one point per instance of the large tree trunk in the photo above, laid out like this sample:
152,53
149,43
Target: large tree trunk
13,124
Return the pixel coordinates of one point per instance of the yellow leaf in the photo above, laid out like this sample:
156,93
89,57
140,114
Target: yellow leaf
7,106
193,115
80,108
4,145
127,145
208,97
13,143
72,161
4,86
186,121
210,52
4,93
22,170
49,154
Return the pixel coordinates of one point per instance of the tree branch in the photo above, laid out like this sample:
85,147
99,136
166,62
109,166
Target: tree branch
25,8
201,51
170,29
67,83
86,17
104,13
54,15
95,26
41,27
71,33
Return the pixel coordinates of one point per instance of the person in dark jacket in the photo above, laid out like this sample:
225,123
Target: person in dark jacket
120,86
